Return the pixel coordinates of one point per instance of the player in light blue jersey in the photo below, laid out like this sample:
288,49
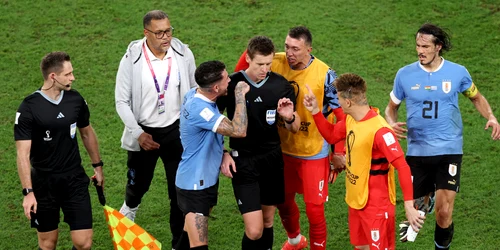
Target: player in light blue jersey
202,130
431,87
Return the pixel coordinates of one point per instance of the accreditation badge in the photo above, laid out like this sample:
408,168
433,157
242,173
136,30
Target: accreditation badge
161,103
72,130
271,116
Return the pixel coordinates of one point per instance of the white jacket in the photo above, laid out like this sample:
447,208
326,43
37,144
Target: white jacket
128,96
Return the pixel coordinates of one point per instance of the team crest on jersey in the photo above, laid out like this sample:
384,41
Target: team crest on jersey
72,130
375,235
452,169
271,116
446,86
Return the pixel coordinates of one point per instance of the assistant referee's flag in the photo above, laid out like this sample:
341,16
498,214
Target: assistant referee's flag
125,233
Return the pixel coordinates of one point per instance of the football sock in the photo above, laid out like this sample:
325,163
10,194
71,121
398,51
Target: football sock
317,226
289,214
443,237
267,239
248,244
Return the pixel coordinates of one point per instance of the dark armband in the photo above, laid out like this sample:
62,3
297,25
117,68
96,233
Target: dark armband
291,121
99,164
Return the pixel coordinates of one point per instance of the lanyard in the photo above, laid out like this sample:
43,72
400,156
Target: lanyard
153,72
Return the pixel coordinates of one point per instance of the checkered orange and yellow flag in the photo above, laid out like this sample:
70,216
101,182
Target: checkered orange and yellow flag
126,234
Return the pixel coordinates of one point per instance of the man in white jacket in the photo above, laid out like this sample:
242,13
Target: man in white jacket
154,75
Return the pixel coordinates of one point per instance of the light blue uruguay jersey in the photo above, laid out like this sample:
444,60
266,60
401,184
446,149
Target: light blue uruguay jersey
433,118
203,147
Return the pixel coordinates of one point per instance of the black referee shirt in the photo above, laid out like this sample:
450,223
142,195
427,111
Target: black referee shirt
51,126
263,118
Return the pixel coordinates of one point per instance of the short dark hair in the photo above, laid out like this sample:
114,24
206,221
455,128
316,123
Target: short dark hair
352,86
153,15
209,73
262,45
440,36
53,63
301,32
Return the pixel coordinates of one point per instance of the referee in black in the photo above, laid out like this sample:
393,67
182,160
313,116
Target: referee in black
45,132
258,182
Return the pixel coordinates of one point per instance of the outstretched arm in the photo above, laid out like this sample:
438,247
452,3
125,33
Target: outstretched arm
332,133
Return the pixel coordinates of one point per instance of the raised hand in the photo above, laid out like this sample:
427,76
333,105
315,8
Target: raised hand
310,101
241,89
285,109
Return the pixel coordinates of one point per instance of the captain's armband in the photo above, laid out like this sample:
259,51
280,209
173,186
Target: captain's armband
470,92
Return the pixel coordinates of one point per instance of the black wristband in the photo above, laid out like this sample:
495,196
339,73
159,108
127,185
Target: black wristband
99,164
290,122
225,151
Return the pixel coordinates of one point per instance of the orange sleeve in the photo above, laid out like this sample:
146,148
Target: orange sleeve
242,62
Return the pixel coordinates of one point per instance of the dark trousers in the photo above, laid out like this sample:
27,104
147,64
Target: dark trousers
141,166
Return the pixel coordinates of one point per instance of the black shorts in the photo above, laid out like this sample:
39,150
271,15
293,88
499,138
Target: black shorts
259,180
431,173
197,201
67,191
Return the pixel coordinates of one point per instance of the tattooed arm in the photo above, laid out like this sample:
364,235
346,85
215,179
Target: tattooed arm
238,126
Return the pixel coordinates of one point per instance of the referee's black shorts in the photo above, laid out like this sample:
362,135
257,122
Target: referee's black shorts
258,180
67,191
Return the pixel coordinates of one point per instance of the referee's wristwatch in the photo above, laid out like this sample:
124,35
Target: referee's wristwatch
26,191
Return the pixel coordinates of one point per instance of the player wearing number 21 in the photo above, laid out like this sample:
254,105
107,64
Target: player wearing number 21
431,87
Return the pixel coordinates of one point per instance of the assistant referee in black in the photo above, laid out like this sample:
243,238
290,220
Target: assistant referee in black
45,131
